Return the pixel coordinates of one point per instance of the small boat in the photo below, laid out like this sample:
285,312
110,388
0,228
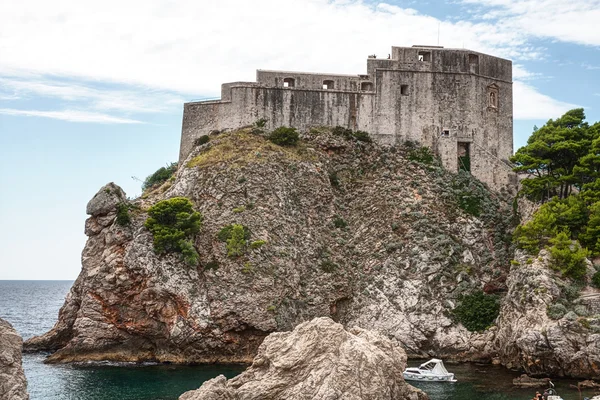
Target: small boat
431,371
551,394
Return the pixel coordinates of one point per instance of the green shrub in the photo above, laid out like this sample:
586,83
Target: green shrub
257,244
284,136
514,262
344,132
225,233
477,311
339,222
362,136
189,254
123,217
239,209
556,311
236,244
596,280
261,123
160,176
422,155
171,223
201,140
567,257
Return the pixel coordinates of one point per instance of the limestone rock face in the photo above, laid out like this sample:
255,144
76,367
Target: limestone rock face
357,232
528,338
318,360
106,200
13,385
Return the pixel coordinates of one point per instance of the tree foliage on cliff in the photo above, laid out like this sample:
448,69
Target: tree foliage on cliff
557,157
563,160
160,176
477,311
172,223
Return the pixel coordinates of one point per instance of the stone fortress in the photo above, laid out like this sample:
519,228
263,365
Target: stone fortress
457,102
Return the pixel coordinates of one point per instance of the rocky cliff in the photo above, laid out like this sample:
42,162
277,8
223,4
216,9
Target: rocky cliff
13,385
318,360
377,237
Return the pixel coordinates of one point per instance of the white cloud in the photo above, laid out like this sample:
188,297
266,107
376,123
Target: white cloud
124,101
70,115
192,46
531,104
565,21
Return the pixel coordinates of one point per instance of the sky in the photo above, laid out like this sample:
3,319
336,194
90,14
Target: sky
92,92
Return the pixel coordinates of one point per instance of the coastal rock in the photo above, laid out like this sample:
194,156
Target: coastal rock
530,339
106,200
318,360
588,384
353,231
525,381
364,234
13,385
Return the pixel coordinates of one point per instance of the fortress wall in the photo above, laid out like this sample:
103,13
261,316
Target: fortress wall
453,100
303,80
299,108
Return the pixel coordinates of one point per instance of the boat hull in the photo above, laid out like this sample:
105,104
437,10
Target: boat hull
428,378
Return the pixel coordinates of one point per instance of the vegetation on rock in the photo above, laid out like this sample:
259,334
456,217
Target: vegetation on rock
563,160
172,223
477,311
284,136
567,257
201,140
160,176
123,217
236,243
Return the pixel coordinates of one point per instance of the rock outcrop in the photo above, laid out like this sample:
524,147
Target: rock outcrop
318,360
13,385
525,381
371,236
528,338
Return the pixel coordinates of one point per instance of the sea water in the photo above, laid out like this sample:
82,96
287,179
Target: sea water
32,308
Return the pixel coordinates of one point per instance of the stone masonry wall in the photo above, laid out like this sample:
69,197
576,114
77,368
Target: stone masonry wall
442,98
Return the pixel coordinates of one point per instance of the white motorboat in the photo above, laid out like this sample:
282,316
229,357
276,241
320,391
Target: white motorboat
431,371
551,394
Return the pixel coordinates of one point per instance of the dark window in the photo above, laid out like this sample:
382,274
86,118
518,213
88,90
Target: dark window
464,156
366,86
425,56
289,82
328,84
404,90
446,133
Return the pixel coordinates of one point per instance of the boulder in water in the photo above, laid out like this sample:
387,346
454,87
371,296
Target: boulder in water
318,360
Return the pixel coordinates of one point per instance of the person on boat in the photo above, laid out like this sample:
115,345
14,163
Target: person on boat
538,396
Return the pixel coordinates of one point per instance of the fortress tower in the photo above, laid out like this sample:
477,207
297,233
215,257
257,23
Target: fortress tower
456,101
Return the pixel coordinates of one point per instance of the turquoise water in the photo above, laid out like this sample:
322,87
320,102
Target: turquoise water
32,307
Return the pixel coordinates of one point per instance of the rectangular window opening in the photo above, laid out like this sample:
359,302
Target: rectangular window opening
425,56
464,156
446,133
404,90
